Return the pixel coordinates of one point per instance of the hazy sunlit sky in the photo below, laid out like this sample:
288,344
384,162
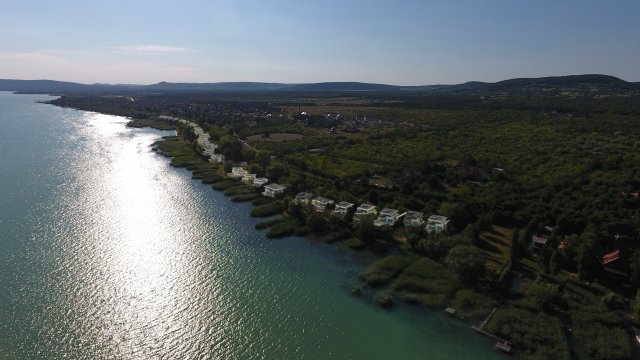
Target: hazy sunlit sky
396,42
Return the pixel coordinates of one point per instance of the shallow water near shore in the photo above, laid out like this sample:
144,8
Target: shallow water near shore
107,252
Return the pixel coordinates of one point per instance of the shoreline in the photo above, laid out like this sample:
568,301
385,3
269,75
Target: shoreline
279,224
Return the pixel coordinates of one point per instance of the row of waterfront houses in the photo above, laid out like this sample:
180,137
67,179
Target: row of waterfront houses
386,216
207,148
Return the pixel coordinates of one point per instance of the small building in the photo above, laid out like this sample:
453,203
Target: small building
387,217
363,210
303,198
436,224
538,242
216,158
320,203
249,178
273,190
413,219
237,172
342,208
612,263
257,182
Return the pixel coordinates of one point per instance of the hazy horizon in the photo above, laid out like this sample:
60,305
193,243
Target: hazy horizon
399,43
280,82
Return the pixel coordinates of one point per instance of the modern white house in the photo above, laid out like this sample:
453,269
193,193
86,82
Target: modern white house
216,158
320,203
387,217
249,178
342,208
413,219
257,182
273,190
303,198
237,172
363,210
436,224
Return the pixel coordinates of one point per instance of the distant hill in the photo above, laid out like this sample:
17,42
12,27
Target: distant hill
40,85
572,85
343,86
221,86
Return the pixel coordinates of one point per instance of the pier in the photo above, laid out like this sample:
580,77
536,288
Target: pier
501,344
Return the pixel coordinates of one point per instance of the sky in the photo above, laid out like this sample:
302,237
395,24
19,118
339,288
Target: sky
402,42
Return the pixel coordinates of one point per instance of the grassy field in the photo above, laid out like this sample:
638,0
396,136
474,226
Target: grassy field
496,244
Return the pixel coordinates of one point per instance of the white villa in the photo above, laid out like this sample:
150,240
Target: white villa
273,190
303,198
237,172
342,208
320,204
364,209
216,158
249,178
257,182
413,218
387,217
436,224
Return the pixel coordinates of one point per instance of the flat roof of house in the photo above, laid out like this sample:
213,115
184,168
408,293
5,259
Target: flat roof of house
413,214
323,200
275,187
537,239
344,204
610,257
438,218
366,206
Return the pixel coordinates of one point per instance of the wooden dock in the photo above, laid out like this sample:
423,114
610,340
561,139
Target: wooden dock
501,344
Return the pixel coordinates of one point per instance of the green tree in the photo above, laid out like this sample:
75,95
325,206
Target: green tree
542,294
467,262
263,158
472,232
589,254
514,250
366,230
634,265
276,171
256,169
316,222
228,165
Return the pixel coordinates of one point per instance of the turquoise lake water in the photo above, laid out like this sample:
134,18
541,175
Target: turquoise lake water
107,252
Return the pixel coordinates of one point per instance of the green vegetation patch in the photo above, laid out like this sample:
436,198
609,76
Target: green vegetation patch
283,229
535,334
156,124
240,190
386,269
596,328
244,197
270,209
470,304
224,184
426,282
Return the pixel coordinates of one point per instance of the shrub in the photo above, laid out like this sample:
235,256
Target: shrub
270,209
386,269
